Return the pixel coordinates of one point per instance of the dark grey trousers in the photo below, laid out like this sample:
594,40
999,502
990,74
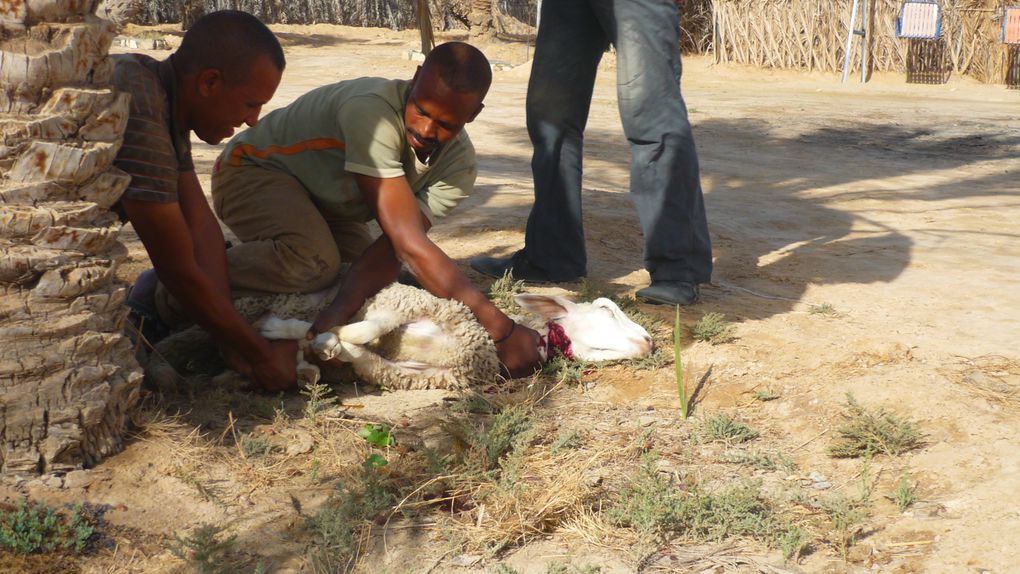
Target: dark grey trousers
664,182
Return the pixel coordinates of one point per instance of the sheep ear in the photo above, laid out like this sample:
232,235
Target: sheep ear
549,307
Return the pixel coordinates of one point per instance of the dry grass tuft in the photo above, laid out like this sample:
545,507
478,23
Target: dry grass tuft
547,491
993,377
867,432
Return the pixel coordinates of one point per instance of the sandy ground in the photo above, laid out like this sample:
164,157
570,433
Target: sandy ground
890,202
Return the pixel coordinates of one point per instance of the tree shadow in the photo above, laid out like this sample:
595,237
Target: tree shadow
781,205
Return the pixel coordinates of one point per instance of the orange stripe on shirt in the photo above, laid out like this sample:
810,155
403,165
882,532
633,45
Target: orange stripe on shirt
243,150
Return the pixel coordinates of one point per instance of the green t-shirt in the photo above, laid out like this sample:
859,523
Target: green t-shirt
353,127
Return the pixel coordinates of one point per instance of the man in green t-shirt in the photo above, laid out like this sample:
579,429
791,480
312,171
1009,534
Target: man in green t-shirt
299,188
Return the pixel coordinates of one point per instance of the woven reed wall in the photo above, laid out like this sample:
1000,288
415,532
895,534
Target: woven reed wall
811,34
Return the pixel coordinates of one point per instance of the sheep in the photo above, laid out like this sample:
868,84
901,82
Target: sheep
406,338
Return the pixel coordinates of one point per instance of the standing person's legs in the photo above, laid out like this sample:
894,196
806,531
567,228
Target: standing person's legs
569,46
287,246
665,180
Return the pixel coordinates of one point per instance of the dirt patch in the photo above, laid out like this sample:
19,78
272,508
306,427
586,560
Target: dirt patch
864,244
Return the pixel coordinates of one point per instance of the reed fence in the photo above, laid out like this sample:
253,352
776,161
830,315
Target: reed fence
811,35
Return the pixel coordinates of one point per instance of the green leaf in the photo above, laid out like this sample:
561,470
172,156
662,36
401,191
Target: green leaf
678,368
375,460
379,435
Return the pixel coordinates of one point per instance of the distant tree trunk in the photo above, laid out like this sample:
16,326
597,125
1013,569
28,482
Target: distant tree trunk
481,18
428,41
68,377
191,10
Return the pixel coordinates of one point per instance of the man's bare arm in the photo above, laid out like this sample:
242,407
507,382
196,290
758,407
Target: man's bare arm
168,239
402,222
376,268
207,237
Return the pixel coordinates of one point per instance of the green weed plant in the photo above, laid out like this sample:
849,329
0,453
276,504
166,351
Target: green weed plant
722,427
656,505
868,432
33,527
204,551
678,370
502,292
904,495
713,328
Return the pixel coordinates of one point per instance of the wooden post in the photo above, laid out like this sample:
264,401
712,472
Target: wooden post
425,27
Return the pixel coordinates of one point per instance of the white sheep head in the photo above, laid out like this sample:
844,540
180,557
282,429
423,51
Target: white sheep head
598,331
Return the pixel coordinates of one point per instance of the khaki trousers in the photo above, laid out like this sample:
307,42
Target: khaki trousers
287,244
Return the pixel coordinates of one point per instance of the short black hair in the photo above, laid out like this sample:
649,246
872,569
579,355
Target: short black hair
230,41
461,66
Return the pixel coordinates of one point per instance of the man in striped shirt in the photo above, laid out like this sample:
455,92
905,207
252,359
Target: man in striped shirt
227,67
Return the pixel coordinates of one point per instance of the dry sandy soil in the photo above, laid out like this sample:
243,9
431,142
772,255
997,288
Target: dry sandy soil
885,203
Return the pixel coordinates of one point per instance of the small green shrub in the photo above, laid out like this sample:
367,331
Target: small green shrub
319,399
568,439
255,446
713,328
751,458
904,495
823,309
656,505
341,523
483,443
847,513
502,292
793,542
723,427
567,371
867,432
34,527
204,551
564,568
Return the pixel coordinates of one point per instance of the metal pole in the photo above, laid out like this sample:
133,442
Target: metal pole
864,41
849,41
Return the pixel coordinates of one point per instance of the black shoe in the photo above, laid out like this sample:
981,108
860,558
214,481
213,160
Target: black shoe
145,325
519,266
670,293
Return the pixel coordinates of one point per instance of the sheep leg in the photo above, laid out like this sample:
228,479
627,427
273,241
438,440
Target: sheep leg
307,373
274,327
364,332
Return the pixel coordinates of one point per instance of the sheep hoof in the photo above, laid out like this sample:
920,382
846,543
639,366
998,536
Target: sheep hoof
326,346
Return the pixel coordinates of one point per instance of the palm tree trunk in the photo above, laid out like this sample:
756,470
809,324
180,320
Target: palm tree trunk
68,377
